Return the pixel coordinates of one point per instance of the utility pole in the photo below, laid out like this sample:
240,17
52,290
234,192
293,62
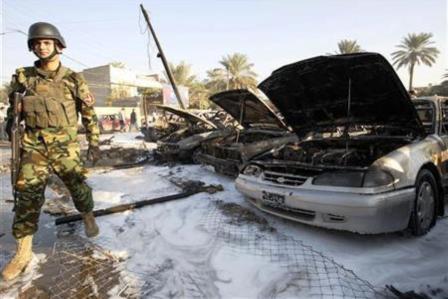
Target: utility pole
145,111
164,61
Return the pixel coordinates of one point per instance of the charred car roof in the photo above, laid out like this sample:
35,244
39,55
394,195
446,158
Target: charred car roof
246,108
188,116
314,94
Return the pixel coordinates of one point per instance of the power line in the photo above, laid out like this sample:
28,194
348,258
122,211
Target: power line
148,40
14,30
74,60
91,43
8,32
142,31
92,21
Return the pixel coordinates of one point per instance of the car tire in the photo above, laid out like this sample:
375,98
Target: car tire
423,216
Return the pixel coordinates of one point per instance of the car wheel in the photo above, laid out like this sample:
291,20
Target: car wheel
424,213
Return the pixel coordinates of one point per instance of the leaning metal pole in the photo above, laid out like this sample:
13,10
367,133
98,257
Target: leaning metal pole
162,56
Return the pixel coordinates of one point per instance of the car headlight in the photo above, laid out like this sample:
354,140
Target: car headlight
253,170
371,178
340,179
376,177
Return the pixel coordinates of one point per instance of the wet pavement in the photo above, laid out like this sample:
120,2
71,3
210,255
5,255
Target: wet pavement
65,264
73,266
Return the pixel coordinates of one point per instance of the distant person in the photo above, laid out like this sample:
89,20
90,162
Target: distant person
2,123
49,141
133,123
122,120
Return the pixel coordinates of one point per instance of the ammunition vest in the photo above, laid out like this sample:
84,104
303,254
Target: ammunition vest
49,103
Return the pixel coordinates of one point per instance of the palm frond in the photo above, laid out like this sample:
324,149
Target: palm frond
415,49
347,46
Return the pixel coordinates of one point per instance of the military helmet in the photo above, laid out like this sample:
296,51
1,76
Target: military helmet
44,30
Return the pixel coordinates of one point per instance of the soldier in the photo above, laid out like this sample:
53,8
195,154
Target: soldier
53,97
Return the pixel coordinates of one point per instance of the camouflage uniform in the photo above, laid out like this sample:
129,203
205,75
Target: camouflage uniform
50,109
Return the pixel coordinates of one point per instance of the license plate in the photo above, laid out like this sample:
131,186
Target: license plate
273,198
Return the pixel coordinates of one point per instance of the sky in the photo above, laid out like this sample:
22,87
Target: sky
271,33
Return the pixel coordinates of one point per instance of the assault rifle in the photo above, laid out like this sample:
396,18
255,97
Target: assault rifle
15,143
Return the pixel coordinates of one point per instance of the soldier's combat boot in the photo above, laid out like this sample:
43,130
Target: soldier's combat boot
22,258
90,227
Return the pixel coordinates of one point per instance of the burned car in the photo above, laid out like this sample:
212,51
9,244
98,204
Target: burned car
262,130
365,161
168,121
182,144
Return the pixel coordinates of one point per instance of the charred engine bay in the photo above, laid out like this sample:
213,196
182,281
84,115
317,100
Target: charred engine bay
184,133
230,147
338,153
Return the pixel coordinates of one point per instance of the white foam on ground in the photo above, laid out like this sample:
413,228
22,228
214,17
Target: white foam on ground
168,242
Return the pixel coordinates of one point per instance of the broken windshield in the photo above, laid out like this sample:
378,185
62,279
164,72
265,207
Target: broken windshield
426,113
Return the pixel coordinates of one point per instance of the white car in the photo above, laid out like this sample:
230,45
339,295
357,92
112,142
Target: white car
369,160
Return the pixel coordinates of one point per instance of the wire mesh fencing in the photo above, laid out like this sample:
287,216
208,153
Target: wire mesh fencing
310,273
79,268
76,268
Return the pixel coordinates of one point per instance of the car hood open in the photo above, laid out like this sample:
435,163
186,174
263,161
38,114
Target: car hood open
188,116
247,108
313,94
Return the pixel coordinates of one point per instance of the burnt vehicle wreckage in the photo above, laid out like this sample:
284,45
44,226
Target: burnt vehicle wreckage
365,161
262,130
182,144
170,120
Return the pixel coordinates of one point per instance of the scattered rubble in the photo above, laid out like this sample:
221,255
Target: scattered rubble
188,188
119,156
107,141
430,292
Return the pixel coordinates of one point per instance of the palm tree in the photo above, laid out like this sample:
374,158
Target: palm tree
216,80
347,46
118,64
199,94
182,74
239,71
414,50
236,73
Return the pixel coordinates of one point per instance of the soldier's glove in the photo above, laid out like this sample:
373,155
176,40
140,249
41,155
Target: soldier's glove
94,153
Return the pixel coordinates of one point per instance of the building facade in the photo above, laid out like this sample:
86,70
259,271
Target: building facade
111,84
